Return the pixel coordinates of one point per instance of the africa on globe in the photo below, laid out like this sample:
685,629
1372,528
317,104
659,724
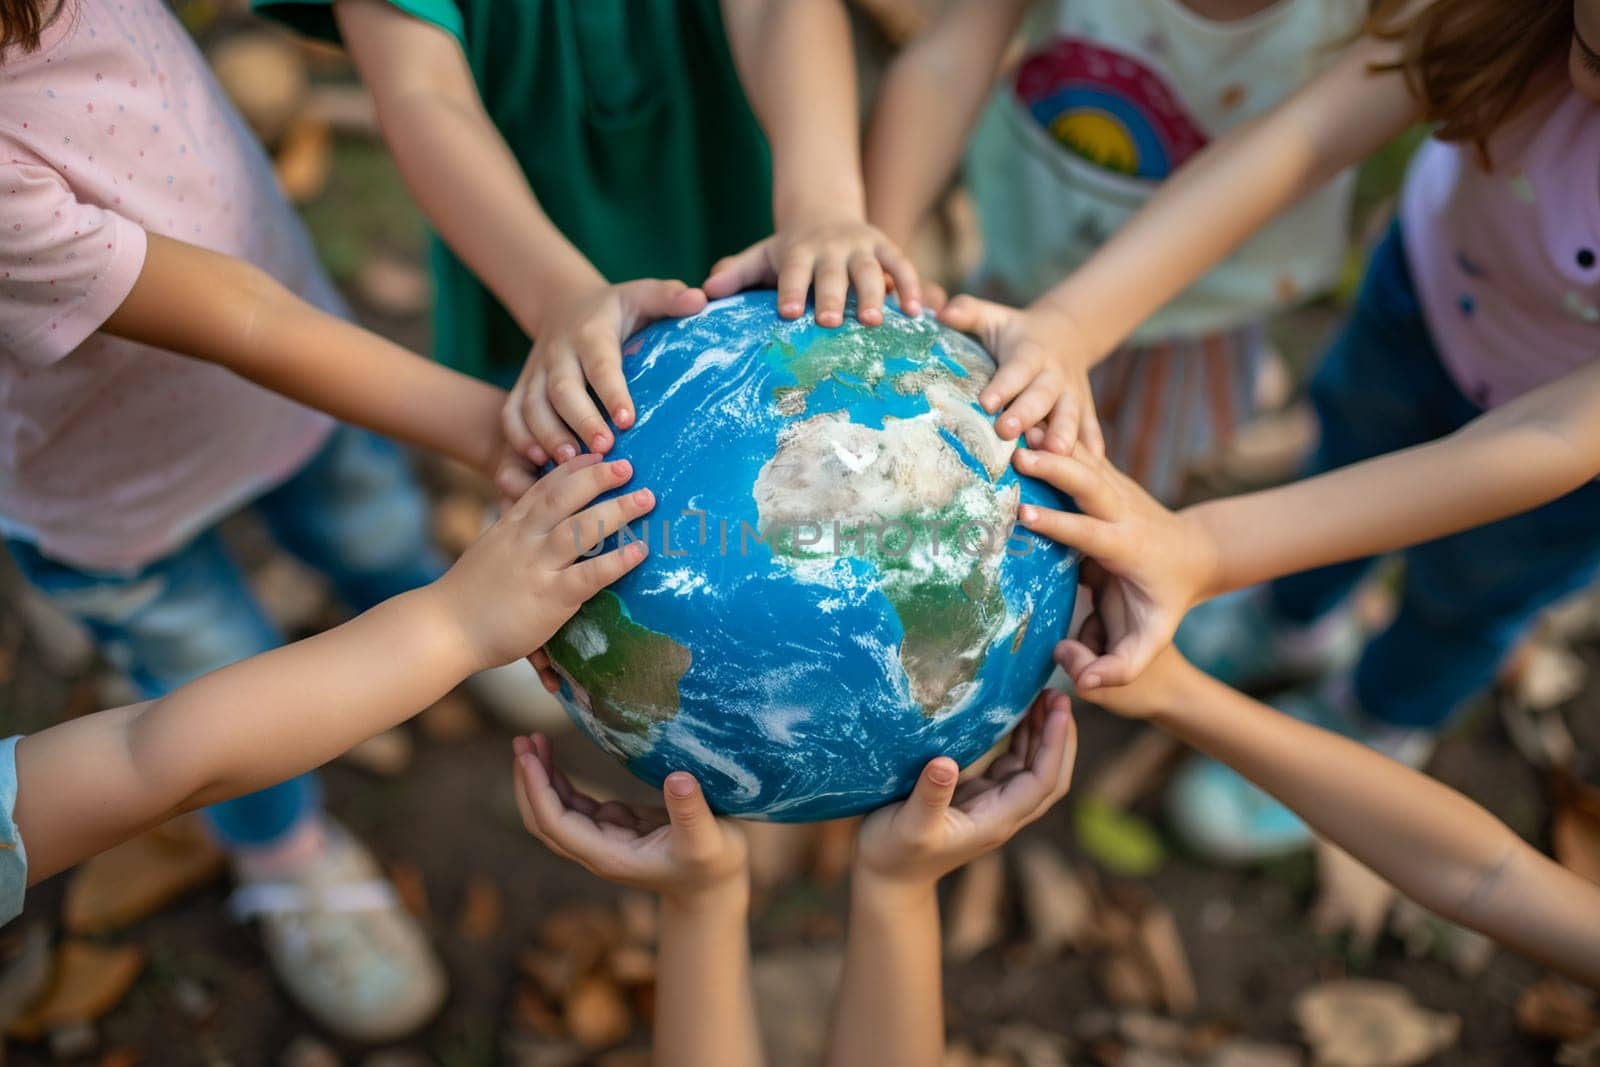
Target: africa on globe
836,590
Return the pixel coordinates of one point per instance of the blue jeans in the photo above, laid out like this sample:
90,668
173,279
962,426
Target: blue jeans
353,512
1469,597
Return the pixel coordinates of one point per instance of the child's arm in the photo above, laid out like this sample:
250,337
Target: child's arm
223,310
705,1007
474,192
1154,564
889,1009
1434,844
1206,211
930,97
797,63
86,784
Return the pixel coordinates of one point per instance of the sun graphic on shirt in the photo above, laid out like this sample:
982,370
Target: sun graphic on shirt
1099,138
1111,109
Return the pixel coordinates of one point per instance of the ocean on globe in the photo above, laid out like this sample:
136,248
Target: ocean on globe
836,591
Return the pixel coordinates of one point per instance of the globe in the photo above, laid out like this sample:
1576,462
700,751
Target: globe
836,591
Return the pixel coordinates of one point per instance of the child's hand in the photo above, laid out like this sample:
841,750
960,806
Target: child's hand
1043,375
943,825
1147,566
518,583
837,253
1167,684
579,349
681,852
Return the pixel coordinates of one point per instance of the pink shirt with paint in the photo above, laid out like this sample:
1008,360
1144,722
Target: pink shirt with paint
1506,259
113,454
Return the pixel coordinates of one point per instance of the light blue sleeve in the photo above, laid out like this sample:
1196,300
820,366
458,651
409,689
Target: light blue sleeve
13,857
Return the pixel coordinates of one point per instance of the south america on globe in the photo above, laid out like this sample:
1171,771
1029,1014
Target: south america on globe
837,590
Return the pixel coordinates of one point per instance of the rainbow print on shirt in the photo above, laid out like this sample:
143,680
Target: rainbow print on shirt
1111,109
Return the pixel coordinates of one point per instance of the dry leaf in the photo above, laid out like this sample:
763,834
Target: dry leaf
139,877
637,912
1270,448
266,78
1162,946
458,520
1152,1031
1030,1046
1127,982
482,911
975,919
1427,934
833,843
453,717
307,1051
1371,1024
387,754
411,887
535,1014
1556,1010
304,159
88,981
393,285
1350,898
553,972
596,1013
293,595
1242,1052
1540,735
1551,674
777,852
1137,769
1058,905
62,643
25,966
1575,829
631,965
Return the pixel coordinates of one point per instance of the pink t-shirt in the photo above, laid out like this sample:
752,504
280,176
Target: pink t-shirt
113,454
1507,260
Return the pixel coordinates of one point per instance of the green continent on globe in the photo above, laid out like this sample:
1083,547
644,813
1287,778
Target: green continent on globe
854,355
902,499
623,674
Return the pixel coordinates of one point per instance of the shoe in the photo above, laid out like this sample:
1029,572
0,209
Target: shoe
1241,639
518,700
341,943
1227,819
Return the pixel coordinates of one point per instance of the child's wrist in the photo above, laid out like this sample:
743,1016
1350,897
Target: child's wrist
1208,577
443,620
875,887
728,896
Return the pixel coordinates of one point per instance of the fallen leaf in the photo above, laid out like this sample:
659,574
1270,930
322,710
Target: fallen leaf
1270,448
1350,898
553,972
25,966
304,159
1242,1052
1547,673
534,1013
1427,934
88,980
1030,1046
778,852
974,920
387,754
1162,946
458,520
411,887
1127,981
1575,829
1371,1024
1120,842
307,1051
1556,1010
1058,906
833,844
631,965
1540,735
596,1013
293,595
393,285
1137,769
482,911
1152,1031
139,877
265,77
451,718
62,643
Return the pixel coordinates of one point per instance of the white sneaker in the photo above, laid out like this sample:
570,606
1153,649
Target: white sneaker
342,944
518,699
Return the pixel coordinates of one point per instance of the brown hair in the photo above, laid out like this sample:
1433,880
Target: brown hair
1471,62
22,21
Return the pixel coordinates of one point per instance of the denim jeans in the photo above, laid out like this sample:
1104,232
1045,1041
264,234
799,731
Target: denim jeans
1466,598
354,512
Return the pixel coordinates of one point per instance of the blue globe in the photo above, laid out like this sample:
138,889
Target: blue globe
836,591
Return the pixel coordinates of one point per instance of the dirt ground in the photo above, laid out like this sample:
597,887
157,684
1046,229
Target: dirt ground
205,996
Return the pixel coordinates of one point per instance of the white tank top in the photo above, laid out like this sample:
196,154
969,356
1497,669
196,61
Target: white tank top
1110,98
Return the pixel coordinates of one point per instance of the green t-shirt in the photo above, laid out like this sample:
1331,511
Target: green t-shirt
627,117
